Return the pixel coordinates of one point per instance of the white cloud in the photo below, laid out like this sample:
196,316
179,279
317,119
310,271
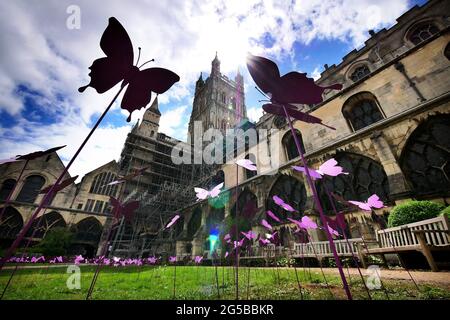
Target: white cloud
173,122
41,53
316,73
254,113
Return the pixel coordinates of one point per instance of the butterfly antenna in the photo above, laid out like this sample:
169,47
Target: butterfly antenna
262,93
146,63
139,55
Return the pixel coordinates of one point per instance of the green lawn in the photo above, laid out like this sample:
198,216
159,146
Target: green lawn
200,283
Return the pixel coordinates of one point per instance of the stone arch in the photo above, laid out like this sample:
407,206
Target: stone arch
88,230
291,191
10,224
366,177
194,222
425,158
40,226
30,188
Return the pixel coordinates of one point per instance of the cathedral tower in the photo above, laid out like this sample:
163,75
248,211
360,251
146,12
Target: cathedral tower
218,101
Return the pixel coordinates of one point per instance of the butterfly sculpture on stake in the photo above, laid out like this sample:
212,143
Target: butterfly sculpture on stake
283,93
118,66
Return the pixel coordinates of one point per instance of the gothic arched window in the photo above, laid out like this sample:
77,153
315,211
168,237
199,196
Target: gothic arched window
425,159
6,189
10,223
99,184
43,224
249,173
359,73
30,189
366,177
194,222
289,144
362,110
247,205
422,32
88,230
291,191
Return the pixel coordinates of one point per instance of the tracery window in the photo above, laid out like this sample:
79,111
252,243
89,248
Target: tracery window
10,224
99,184
422,32
291,191
362,110
366,177
43,224
359,73
425,160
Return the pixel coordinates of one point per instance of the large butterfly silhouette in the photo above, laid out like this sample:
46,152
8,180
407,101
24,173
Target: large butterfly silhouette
118,66
292,88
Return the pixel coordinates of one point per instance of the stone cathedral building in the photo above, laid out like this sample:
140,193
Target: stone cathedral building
392,121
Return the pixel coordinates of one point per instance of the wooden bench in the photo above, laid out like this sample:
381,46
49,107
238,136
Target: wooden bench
424,236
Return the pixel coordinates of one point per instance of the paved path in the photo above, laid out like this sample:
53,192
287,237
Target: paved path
441,278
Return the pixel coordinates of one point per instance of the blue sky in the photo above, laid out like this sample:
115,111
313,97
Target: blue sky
43,62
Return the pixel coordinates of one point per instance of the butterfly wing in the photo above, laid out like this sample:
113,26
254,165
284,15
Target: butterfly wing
60,186
264,72
108,71
174,219
296,87
265,224
361,205
273,216
129,208
142,84
313,173
375,202
308,223
37,154
216,190
247,164
201,193
294,113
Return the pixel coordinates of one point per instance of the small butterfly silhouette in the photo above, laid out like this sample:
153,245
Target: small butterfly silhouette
247,164
329,168
273,216
293,87
283,204
373,202
174,219
118,66
202,194
126,210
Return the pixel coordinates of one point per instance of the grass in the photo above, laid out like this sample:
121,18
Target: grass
199,283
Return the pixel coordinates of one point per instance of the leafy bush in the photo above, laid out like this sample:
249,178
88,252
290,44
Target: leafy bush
56,242
413,211
445,212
